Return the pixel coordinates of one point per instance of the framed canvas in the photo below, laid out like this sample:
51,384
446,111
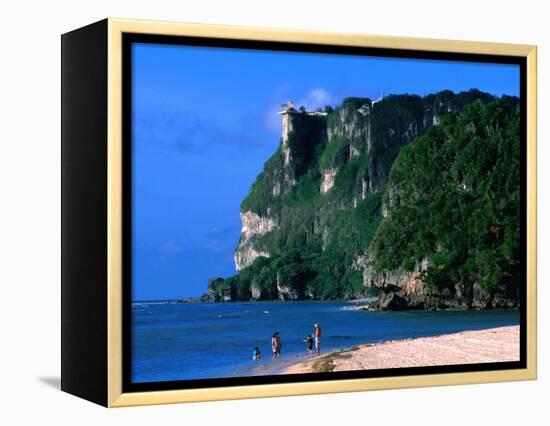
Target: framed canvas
255,212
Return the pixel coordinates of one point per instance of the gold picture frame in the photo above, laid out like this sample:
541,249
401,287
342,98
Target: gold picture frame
113,31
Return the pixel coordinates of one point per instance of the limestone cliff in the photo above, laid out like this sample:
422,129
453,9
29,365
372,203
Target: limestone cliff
319,219
253,226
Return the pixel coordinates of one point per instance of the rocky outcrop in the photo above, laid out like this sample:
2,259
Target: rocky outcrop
253,226
301,131
287,129
328,180
246,254
256,292
286,292
219,290
399,290
351,121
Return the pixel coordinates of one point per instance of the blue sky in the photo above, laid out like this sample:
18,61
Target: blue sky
204,123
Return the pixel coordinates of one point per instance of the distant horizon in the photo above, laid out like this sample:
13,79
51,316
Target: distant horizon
204,123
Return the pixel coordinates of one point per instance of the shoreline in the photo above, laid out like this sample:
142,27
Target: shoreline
359,304
499,344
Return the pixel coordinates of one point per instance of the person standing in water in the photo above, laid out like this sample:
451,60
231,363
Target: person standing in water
276,345
317,336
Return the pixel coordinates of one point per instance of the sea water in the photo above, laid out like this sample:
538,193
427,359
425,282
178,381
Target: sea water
183,341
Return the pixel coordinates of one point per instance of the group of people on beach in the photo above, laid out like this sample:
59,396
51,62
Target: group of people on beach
276,344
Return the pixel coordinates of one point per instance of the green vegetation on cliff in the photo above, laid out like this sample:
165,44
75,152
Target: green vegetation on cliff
377,187
306,143
454,197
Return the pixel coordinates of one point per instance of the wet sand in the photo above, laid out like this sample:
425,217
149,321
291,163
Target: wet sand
467,347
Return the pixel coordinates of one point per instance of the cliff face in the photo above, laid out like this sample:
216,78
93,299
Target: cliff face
301,134
316,221
450,233
253,226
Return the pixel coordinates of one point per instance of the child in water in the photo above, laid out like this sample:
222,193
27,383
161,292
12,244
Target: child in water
309,341
256,355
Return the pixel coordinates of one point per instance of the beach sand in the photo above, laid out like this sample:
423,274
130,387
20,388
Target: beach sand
467,347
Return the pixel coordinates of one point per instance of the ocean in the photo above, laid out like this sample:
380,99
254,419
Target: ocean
183,341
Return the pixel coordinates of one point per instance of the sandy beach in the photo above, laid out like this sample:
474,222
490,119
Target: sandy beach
467,347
